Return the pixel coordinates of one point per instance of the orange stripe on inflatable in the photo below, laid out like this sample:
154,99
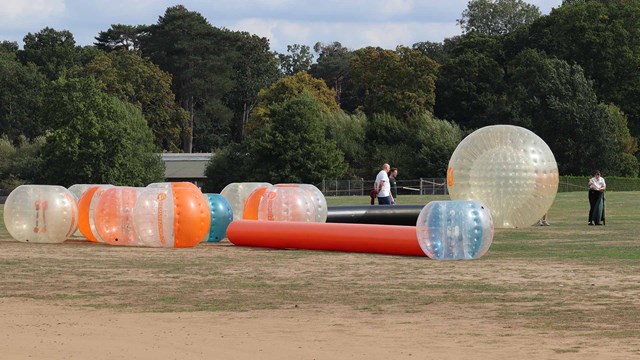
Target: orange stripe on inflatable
83,213
252,204
379,239
191,215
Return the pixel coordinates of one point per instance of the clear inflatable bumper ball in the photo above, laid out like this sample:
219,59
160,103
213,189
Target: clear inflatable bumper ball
455,230
173,215
40,214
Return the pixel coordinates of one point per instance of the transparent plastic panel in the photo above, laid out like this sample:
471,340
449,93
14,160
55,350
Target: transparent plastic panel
317,198
153,217
114,215
291,203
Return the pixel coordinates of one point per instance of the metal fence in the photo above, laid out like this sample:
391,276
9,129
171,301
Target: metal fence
438,186
579,183
423,186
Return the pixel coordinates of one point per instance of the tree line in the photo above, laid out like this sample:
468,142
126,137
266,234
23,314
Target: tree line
102,113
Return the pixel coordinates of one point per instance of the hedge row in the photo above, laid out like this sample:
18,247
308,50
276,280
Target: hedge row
579,183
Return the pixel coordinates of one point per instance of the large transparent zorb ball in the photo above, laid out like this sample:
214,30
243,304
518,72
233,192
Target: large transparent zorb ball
509,169
237,194
455,230
40,213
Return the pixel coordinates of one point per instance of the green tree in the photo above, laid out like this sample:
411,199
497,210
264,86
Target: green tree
332,66
562,106
290,87
297,59
119,37
400,82
497,17
255,68
129,77
489,45
293,146
420,146
21,96
470,91
290,147
184,44
602,37
54,52
388,140
232,163
9,47
472,83
97,139
624,163
437,140
348,132
19,164
435,50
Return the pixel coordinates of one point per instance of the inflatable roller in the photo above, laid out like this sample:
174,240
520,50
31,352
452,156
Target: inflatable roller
379,239
375,214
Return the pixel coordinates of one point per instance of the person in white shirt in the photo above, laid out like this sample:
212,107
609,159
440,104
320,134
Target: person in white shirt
597,186
382,185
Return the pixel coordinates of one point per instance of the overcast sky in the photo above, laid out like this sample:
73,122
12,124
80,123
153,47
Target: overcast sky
354,23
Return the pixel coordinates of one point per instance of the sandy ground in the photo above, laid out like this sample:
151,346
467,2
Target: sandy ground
30,329
50,328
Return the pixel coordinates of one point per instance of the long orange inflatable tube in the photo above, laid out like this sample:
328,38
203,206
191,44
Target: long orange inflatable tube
379,239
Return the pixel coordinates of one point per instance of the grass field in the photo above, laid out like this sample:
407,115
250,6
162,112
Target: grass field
563,277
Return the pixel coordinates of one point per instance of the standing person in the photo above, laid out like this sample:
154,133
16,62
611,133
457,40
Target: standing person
382,186
597,186
393,184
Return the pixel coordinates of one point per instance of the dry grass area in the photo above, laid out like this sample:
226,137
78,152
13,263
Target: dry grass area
567,291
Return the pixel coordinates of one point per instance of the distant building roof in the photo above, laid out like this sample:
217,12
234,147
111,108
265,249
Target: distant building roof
185,166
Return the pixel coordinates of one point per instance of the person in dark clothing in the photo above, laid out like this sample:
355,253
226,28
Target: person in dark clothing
394,185
597,186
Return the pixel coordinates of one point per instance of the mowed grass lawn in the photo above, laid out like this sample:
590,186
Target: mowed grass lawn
567,276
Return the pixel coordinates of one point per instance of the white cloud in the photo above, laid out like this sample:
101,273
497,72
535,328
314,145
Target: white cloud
354,23
18,13
353,35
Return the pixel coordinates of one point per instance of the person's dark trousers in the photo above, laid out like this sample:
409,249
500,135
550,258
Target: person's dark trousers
384,200
595,207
